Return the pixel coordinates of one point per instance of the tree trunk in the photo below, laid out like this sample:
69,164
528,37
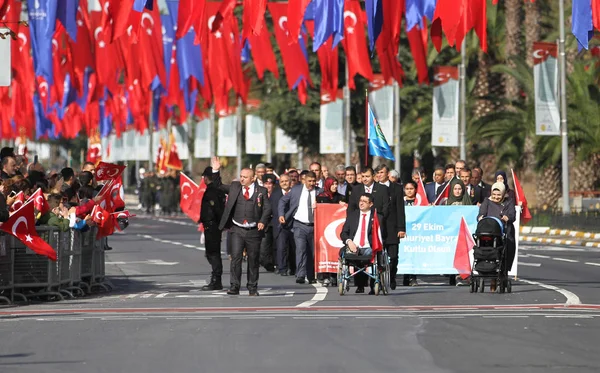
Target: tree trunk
549,188
512,47
532,29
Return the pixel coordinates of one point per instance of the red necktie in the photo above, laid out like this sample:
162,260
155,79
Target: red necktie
363,230
247,193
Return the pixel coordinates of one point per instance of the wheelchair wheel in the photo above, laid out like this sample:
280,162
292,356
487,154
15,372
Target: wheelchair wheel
376,288
341,288
384,276
342,277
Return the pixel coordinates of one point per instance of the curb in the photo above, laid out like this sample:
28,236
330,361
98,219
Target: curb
559,232
558,241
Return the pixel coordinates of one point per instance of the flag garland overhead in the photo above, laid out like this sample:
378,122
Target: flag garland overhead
105,71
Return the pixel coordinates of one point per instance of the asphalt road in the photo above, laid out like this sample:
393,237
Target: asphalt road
157,319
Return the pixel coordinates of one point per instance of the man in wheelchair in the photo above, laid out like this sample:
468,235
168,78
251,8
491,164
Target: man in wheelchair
358,250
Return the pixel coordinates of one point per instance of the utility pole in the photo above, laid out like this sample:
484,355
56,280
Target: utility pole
563,110
396,139
463,102
239,137
347,131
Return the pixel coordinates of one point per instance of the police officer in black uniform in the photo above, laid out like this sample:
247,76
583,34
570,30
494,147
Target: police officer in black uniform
213,204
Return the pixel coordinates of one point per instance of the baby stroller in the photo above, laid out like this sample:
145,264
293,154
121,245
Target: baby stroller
489,256
378,262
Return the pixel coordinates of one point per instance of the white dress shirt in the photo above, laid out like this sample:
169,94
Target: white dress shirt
369,189
250,193
302,212
356,238
387,183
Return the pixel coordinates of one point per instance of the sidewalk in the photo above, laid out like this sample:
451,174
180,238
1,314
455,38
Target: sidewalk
559,236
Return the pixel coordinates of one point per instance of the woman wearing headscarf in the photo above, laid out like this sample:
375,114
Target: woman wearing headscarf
457,195
500,177
500,206
329,195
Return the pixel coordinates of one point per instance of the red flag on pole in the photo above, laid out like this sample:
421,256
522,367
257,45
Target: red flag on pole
354,43
421,197
39,201
521,200
464,244
443,196
18,203
21,224
108,171
376,239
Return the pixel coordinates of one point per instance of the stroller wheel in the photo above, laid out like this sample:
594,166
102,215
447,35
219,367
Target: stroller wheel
481,285
452,280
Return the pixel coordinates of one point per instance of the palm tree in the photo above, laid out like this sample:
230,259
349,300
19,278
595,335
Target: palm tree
512,47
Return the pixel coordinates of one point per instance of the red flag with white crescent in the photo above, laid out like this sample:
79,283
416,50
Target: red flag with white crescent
421,197
443,197
39,201
21,224
19,201
108,171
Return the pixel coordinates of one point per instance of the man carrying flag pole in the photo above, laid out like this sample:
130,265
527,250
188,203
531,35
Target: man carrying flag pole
376,143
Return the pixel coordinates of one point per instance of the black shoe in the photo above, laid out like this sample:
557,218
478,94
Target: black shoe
107,248
233,291
284,273
372,292
253,293
300,281
269,268
393,284
360,290
313,281
292,273
213,286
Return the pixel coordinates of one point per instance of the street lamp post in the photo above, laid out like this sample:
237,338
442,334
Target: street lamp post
563,110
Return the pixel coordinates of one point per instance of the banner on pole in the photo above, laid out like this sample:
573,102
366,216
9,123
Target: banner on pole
5,59
545,78
283,143
227,136
444,126
431,235
331,128
329,220
202,136
381,97
181,140
256,138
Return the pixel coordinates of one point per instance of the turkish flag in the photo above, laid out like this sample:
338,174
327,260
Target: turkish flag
376,239
355,44
388,62
4,4
105,197
108,171
187,190
443,197
19,201
521,200
329,220
456,18
21,224
421,197
223,14
253,17
117,194
262,53
39,201
418,47
464,244
329,63
100,216
295,17
191,12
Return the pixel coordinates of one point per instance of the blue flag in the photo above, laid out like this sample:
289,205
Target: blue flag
105,118
583,27
66,12
374,20
42,22
378,146
168,38
189,98
329,20
246,51
69,96
82,100
138,5
189,55
156,95
43,125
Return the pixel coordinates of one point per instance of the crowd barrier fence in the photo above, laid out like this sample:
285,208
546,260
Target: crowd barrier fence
77,271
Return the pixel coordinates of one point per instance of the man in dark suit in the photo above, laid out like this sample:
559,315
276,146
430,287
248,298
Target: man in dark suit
381,197
282,234
267,254
396,221
485,189
436,187
472,191
357,234
247,213
296,209
211,212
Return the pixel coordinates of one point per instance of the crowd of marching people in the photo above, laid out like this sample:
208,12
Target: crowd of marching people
68,199
269,217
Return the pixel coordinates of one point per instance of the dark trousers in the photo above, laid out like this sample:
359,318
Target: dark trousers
392,250
212,241
305,250
250,239
266,249
286,250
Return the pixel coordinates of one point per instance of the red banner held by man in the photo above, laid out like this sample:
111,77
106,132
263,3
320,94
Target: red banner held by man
329,220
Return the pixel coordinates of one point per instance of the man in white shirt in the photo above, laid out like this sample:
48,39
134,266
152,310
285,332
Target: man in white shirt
297,208
316,168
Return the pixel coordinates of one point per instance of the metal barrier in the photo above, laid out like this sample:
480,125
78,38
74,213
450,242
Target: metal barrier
79,267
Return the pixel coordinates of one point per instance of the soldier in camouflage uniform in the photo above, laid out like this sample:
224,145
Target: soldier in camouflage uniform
149,188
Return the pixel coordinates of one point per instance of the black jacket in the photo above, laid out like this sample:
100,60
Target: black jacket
381,198
351,226
4,215
213,205
262,205
396,219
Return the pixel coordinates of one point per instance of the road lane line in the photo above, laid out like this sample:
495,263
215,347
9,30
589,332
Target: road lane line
592,264
539,256
572,298
566,260
530,264
319,296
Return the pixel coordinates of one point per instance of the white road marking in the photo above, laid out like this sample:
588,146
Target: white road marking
530,264
158,262
539,256
568,317
319,296
566,260
572,298
162,295
593,264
